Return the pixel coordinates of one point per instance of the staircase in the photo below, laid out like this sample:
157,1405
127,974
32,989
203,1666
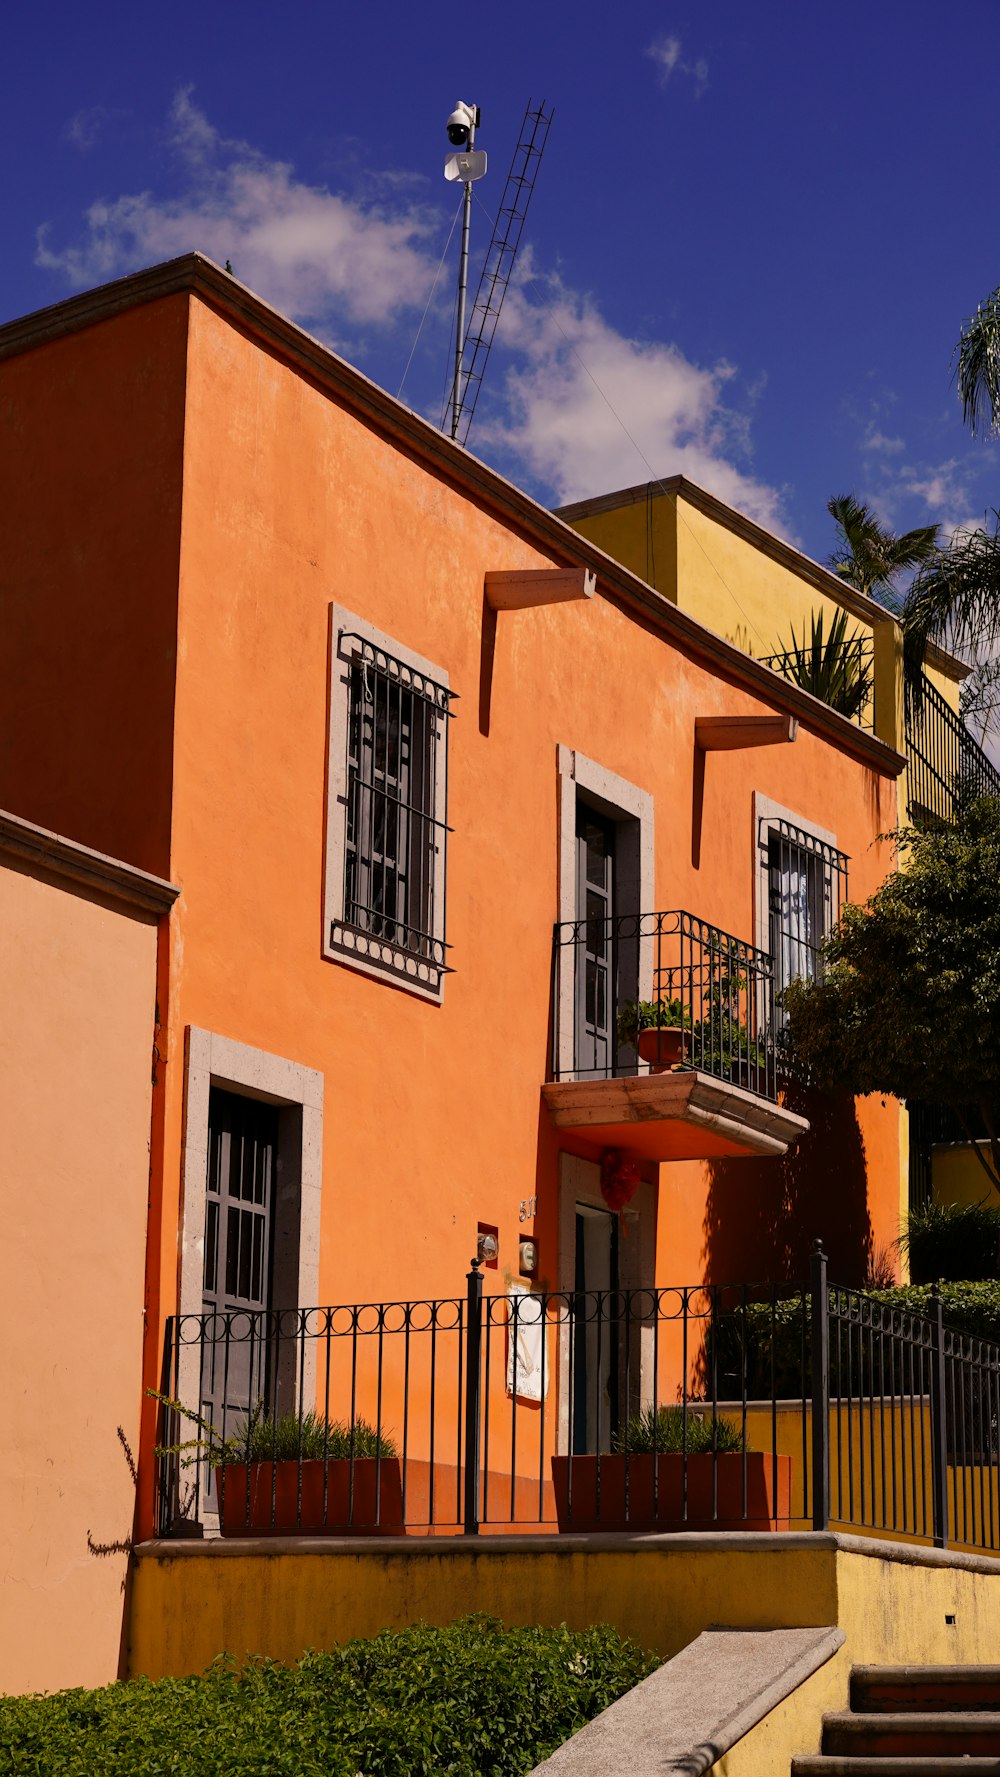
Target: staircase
934,1720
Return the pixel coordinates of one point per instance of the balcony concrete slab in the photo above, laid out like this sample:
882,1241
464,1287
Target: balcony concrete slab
673,1116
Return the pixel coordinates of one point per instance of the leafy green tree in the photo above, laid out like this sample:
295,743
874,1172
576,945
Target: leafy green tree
870,556
910,1001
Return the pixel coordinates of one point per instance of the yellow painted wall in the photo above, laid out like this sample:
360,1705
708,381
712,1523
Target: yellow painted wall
190,1602
194,1601
958,1177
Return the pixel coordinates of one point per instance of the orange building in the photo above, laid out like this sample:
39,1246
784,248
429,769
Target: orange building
446,791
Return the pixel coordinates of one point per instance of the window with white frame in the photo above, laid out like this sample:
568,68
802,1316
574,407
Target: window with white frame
388,814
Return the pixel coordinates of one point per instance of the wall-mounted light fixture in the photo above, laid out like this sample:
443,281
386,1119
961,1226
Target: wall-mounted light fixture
528,1257
488,1245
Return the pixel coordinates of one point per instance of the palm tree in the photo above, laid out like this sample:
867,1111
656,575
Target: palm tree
978,369
957,596
871,557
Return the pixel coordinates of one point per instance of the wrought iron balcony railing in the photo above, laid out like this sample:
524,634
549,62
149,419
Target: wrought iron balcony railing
663,990
946,766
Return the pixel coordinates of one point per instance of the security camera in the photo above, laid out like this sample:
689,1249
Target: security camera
462,124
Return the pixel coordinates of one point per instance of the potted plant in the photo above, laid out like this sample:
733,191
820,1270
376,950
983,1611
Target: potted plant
673,1469
656,1029
298,1474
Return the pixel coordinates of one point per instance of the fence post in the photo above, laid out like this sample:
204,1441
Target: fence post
473,1389
939,1430
820,1319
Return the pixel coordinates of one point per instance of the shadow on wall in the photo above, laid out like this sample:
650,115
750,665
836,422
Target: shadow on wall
763,1216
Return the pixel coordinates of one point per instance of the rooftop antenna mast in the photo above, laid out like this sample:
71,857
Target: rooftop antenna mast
468,164
497,266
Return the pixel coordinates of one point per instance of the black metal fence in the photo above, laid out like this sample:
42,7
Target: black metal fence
662,990
707,1407
945,765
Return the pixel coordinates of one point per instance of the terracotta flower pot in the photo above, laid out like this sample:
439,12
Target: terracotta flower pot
662,1046
338,1498
644,1491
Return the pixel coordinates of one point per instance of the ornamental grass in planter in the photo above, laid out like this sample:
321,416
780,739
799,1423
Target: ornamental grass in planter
298,1475
673,1469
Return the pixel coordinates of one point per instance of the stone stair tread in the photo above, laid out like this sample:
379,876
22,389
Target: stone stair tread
913,1765
928,1732
899,1689
893,1674
951,1721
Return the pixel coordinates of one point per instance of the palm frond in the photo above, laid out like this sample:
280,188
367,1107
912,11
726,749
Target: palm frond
871,556
978,369
955,600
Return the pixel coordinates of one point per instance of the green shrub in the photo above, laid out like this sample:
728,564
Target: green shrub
262,1438
651,1015
953,1242
769,1345
664,1429
472,1700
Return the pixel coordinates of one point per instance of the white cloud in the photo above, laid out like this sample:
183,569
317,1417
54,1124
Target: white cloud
589,410
665,51
347,263
879,441
86,127
937,486
310,252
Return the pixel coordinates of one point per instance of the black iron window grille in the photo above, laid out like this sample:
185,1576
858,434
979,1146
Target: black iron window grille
619,978
806,888
396,823
945,766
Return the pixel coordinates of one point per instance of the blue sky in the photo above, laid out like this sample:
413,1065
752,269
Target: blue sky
755,234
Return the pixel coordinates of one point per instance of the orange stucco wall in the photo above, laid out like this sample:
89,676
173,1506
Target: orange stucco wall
75,1039
91,431
433,1117
191,738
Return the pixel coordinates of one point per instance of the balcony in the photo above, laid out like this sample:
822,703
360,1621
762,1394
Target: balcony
663,1040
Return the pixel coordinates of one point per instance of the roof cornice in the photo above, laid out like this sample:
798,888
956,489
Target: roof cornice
194,275
859,604
26,843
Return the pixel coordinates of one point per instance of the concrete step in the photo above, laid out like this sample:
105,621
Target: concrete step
841,1766
914,1733
897,1689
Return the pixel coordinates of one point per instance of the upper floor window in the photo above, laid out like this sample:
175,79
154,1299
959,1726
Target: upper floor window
806,885
388,825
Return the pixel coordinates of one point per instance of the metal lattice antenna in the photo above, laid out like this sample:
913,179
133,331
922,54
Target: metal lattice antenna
500,256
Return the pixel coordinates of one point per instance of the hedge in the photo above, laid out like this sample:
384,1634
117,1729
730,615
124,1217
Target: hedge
767,1340
465,1701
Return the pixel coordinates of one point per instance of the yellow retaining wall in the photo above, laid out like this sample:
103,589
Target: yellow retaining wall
895,1603
192,1601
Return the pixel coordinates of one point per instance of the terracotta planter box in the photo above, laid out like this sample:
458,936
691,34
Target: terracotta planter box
655,1492
272,1506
